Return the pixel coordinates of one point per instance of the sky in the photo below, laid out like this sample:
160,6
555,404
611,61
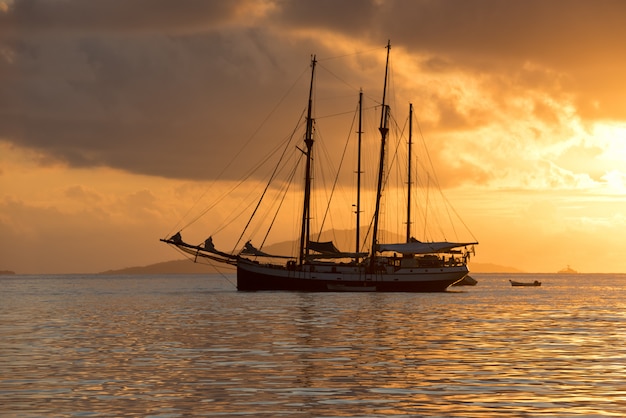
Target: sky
116,116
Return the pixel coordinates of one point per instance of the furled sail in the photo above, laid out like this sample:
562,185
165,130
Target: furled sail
249,249
206,250
328,250
324,247
418,247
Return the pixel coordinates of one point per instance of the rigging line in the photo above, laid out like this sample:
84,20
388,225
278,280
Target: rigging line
334,115
368,236
245,177
352,87
275,197
269,182
282,200
208,263
426,205
459,217
430,161
330,196
343,56
448,203
226,193
221,273
392,162
343,155
288,166
234,218
393,159
400,136
242,181
401,168
221,173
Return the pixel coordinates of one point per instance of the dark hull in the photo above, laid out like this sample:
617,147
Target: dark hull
254,278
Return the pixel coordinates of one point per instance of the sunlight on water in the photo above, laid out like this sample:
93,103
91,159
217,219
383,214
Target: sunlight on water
188,345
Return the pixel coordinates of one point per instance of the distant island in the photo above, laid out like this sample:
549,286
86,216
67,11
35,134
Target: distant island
185,266
6,272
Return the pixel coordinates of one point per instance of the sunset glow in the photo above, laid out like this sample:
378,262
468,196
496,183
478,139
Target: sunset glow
114,130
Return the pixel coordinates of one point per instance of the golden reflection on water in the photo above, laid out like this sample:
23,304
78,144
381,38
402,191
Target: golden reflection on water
192,346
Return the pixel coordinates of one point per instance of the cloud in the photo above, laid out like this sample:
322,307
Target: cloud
175,89
114,113
50,240
114,16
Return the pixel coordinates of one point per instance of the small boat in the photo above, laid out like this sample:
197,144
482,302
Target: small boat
389,266
527,284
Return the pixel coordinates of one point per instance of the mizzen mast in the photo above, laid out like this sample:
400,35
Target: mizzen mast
409,182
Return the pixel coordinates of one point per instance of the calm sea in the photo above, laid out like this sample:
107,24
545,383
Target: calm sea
170,346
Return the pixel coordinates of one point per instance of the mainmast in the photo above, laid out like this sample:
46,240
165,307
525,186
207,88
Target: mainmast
409,183
358,181
308,141
383,128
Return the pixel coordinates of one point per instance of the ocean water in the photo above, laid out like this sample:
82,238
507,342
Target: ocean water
170,346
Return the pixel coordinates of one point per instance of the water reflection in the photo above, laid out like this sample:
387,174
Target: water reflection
188,346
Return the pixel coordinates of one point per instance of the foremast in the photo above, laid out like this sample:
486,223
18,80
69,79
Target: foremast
384,129
306,207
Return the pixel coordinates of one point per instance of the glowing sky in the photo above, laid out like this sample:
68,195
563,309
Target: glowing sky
115,115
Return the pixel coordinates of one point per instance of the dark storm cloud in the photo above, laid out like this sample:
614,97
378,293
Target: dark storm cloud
100,83
577,32
351,16
115,15
581,39
173,88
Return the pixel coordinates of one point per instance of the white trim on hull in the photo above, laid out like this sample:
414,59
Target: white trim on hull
253,276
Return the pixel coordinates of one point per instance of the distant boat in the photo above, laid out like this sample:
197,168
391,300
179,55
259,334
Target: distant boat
409,266
567,270
528,284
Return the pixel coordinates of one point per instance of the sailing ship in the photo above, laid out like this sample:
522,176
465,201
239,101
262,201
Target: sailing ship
408,266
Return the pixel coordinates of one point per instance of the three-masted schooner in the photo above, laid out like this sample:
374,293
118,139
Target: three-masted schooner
411,266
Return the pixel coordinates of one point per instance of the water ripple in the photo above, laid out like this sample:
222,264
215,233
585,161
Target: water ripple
176,346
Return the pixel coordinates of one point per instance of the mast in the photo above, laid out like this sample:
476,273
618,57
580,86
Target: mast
308,140
409,183
358,181
383,128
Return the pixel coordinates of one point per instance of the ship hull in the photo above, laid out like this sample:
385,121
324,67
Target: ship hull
252,276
